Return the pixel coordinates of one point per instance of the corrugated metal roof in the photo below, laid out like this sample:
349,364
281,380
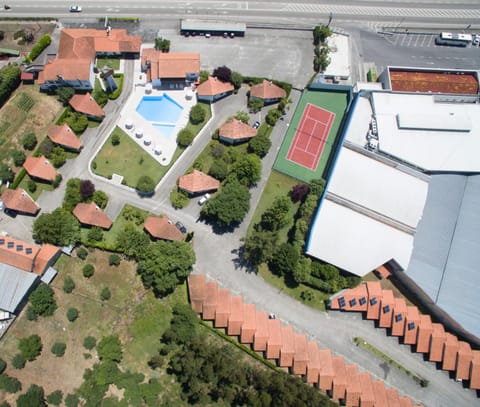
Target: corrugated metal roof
446,250
14,285
208,25
49,275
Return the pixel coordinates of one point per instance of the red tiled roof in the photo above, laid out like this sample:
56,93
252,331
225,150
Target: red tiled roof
261,333
411,325
212,87
300,358
399,316
211,301
450,349
436,343
64,136
313,364
222,311
162,228
46,253
353,390
384,272
18,200
340,378
197,182
386,309
40,167
170,65
379,393
405,402
236,316
367,396
236,130
90,214
66,68
86,104
267,90
249,324
425,330
375,292
26,76
287,350
352,299
475,370
274,342
326,369
17,253
464,358
392,397
197,290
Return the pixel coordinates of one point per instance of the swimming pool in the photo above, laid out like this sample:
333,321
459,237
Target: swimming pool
161,109
166,129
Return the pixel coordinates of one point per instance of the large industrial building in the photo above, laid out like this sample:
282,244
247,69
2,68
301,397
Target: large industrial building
404,189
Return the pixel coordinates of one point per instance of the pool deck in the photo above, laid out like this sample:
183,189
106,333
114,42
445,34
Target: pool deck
129,115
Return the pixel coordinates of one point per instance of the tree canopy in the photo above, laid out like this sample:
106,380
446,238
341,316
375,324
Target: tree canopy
185,137
30,347
43,300
259,145
145,185
223,73
60,228
197,114
276,216
110,348
247,170
285,259
6,173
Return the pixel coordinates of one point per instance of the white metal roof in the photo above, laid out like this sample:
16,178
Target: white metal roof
339,57
357,129
14,285
355,242
379,187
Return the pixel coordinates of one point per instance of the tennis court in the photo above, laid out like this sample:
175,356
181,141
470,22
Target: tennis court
311,136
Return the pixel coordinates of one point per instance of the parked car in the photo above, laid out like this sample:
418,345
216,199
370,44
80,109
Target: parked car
75,9
180,227
203,199
272,316
256,125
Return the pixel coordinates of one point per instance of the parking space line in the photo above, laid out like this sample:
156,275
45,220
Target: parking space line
423,40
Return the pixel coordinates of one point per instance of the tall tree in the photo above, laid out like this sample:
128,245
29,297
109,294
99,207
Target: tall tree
87,189
285,259
247,170
223,73
43,300
60,228
276,216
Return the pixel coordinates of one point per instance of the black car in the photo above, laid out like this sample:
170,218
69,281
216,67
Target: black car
180,227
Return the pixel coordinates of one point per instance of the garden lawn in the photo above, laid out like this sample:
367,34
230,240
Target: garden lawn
113,63
41,186
195,128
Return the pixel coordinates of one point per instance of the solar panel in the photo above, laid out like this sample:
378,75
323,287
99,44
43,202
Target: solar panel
398,317
353,302
10,245
363,301
19,247
28,250
373,301
386,309
2,241
411,326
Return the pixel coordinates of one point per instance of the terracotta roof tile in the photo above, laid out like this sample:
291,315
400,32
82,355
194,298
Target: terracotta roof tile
197,291
353,390
86,104
170,65
261,333
399,317
436,343
287,350
384,272
26,76
300,358
464,358
90,214
379,393
352,299
64,136
211,301
327,372
475,370
236,130
405,402
411,325
236,316
313,364
249,324
425,330
162,228
267,90
17,253
340,378
222,312
450,349
40,167
386,309
367,397
45,255
197,182
392,398
212,87
274,342
68,69
18,200
375,293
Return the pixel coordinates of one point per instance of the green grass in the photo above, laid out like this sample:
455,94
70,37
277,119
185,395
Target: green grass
118,226
195,128
335,102
113,63
40,187
374,351
127,159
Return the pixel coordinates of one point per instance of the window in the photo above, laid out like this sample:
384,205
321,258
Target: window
10,245
411,326
386,309
353,302
363,301
373,301
341,302
19,247
398,317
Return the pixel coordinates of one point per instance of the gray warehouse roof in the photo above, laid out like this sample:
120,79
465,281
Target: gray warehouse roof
14,285
446,253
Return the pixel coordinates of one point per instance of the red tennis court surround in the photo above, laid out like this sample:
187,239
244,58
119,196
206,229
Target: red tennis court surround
311,136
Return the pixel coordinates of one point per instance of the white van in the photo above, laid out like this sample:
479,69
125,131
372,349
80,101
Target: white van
203,199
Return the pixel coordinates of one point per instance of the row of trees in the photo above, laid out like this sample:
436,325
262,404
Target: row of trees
321,58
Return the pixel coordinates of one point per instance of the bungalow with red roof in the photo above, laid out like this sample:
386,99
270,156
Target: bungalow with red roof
268,92
86,105
40,168
18,201
64,137
162,228
89,214
77,51
235,131
197,183
171,70
213,89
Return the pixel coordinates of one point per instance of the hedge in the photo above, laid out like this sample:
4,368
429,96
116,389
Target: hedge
117,93
16,182
38,48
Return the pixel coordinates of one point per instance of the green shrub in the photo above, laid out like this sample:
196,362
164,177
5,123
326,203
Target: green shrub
72,314
89,342
197,114
95,234
57,180
43,301
88,270
10,384
18,361
29,141
105,294
185,137
68,284
31,314
72,400
115,139
58,349
31,186
55,398
82,253
179,199
38,48
18,157
114,260
30,347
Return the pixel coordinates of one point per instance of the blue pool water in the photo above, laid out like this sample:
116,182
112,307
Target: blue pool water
159,109
166,129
